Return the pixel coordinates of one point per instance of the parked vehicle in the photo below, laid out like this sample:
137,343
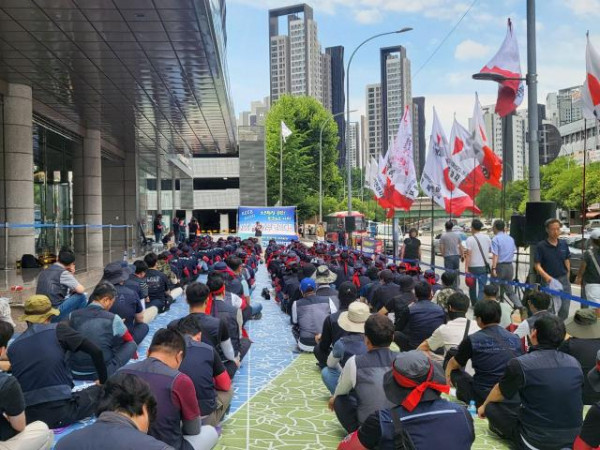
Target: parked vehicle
577,245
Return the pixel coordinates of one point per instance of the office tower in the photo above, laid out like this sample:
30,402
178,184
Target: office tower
395,91
373,103
353,145
419,133
338,97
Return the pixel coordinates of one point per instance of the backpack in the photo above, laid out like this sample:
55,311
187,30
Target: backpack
402,440
29,262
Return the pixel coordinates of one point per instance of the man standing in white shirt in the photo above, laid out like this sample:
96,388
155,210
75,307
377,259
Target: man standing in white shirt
477,260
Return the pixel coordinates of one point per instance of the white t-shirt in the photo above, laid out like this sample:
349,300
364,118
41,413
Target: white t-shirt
451,335
475,255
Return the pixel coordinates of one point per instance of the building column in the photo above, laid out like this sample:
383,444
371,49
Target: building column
18,173
87,196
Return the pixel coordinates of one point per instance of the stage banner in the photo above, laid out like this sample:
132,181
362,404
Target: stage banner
267,223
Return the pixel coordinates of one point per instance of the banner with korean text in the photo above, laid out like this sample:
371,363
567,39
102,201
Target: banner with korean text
267,223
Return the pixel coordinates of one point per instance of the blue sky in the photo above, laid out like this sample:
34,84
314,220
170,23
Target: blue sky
446,80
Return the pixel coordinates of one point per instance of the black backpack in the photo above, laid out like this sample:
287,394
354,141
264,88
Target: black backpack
402,440
29,262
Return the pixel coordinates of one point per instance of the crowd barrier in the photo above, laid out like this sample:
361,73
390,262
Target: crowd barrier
525,286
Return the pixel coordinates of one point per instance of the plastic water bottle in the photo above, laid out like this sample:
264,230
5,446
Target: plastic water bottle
133,253
472,409
124,255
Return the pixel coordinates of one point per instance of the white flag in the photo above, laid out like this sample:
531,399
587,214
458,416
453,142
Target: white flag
591,87
285,131
434,180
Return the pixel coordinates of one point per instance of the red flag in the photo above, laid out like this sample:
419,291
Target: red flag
507,62
491,164
464,167
591,87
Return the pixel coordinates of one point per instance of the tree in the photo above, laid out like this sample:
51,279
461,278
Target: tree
304,116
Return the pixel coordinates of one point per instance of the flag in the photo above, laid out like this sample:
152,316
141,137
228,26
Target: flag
464,169
591,87
285,131
433,182
401,179
491,164
507,62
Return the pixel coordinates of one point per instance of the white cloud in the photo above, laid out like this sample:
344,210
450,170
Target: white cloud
368,16
584,7
469,49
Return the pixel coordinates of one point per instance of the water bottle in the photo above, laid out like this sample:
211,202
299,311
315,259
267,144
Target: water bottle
124,255
133,253
472,408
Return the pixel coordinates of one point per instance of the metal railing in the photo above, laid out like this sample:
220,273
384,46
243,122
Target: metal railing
128,247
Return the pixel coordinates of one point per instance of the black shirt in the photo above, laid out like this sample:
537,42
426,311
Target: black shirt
12,404
383,294
158,284
584,351
127,305
591,275
411,248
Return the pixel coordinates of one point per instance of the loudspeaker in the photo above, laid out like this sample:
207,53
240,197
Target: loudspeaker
350,222
536,214
517,229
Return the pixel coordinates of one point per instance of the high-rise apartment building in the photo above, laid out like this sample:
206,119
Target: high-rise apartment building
373,103
396,91
419,147
353,144
257,114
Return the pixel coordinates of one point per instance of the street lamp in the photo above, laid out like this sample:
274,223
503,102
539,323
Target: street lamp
348,165
321,162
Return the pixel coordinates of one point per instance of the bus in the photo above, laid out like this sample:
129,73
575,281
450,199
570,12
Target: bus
335,222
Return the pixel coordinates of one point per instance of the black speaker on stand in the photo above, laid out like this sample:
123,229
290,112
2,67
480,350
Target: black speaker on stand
350,223
517,229
536,214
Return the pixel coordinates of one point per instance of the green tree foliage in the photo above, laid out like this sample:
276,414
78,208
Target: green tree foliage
304,116
562,182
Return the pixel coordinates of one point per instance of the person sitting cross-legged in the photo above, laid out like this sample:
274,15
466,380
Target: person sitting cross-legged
489,350
360,388
413,387
548,383
308,315
125,412
103,328
352,322
178,420
15,434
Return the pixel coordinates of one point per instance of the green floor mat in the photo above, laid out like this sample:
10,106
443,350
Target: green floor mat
291,413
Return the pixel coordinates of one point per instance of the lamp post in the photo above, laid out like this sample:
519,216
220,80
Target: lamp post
325,122
348,165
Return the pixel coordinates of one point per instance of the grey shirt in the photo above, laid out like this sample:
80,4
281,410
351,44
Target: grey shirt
450,240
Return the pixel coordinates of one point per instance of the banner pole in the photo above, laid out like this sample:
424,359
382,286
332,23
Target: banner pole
432,249
583,205
281,169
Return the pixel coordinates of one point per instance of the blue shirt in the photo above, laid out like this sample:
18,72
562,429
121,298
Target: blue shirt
503,246
552,257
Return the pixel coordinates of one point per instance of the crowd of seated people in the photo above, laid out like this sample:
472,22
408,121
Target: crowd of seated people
392,341
171,398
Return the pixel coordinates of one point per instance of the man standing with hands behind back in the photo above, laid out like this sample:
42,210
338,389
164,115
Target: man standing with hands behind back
553,264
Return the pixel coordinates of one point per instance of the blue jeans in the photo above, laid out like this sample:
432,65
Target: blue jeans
476,292
255,308
452,263
157,237
70,304
330,378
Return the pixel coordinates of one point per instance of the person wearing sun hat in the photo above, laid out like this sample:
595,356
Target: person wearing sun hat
352,322
38,360
324,277
414,386
584,344
589,436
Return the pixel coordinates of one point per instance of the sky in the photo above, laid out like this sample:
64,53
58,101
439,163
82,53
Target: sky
445,81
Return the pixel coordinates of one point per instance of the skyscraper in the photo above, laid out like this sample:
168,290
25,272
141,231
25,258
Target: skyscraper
373,103
297,65
396,90
353,144
418,117
338,96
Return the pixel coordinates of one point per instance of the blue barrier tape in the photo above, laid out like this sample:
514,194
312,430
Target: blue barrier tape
549,291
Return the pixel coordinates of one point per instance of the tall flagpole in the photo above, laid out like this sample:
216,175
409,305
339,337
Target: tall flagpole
583,205
432,249
281,168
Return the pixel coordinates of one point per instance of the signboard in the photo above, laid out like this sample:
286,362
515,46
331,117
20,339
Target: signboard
370,246
277,223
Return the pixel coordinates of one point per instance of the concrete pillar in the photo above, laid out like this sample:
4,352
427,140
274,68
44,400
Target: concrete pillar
87,196
18,172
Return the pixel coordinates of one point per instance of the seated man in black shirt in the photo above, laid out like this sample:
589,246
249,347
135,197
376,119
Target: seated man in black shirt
549,383
387,290
589,437
39,362
159,291
14,433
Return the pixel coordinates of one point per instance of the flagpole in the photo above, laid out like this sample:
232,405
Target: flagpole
281,168
432,249
583,205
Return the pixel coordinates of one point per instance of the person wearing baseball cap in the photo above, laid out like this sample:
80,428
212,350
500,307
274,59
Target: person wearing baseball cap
414,386
589,436
308,315
352,322
38,360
